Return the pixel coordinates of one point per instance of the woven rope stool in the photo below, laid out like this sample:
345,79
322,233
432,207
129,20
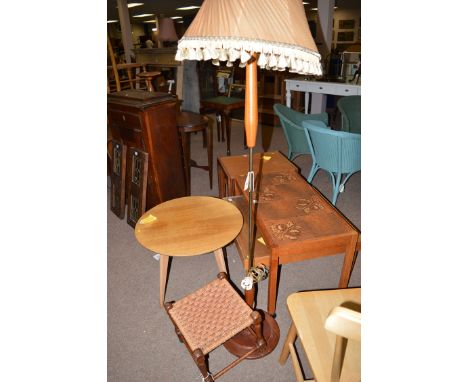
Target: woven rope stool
210,316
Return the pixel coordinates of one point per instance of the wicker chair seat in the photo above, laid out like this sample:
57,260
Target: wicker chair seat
211,315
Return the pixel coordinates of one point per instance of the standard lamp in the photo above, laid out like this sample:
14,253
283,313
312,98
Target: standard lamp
273,34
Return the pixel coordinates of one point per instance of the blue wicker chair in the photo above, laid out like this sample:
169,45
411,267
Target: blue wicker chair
337,152
291,121
350,109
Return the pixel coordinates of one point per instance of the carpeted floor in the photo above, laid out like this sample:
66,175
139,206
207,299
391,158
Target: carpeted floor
142,344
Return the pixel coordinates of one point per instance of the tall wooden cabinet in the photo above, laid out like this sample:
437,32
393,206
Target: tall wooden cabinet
147,120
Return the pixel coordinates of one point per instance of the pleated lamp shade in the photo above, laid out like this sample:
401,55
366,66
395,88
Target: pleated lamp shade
166,30
227,30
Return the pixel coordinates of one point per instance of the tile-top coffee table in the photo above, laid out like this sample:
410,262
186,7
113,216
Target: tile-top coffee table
295,222
188,226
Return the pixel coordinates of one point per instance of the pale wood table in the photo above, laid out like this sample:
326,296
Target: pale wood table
188,226
309,310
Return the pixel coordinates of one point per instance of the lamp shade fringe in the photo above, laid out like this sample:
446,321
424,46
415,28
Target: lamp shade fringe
273,55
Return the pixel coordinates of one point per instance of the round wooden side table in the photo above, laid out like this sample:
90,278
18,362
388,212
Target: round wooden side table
188,226
189,122
148,77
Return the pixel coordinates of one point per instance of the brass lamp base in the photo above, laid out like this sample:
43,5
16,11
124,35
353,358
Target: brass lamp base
245,341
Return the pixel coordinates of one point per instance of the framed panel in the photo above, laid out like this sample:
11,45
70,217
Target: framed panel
119,160
136,184
345,36
346,24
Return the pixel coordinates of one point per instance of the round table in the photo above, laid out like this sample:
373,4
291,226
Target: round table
188,226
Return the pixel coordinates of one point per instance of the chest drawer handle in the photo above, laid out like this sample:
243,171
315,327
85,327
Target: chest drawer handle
123,117
320,88
297,86
346,90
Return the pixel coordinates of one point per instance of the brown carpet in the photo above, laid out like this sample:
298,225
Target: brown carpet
142,344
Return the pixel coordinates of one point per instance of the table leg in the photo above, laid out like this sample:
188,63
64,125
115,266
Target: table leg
250,296
227,125
272,282
185,138
210,153
163,262
219,255
221,182
348,262
129,74
291,337
288,97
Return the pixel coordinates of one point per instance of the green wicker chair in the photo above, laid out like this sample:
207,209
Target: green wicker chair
291,121
350,109
337,152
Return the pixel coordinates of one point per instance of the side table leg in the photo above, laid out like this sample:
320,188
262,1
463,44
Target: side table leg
348,262
185,138
219,255
272,282
221,182
163,262
210,153
227,124
250,296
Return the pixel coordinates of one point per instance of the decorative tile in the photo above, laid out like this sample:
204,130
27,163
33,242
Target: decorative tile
290,230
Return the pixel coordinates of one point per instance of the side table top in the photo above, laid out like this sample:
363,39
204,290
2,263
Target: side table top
189,226
186,119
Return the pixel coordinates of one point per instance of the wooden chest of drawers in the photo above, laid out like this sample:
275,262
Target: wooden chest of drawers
147,120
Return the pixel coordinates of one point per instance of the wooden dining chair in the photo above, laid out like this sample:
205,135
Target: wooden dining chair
331,342
210,317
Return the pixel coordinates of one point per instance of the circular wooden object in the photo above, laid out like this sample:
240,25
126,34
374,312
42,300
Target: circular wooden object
245,341
189,226
190,121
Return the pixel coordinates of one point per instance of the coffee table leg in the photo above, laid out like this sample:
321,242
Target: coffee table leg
250,296
219,255
221,182
272,282
348,263
163,262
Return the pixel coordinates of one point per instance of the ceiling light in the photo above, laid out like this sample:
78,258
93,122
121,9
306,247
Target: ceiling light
176,17
149,21
305,2
180,22
154,29
144,15
132,5
112,21
187,8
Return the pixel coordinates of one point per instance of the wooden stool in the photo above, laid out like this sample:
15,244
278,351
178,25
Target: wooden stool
210,317
148,77
189,122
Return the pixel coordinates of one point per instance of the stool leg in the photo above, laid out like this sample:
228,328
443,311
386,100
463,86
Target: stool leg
291,337
163,262
201,363
219,255
210,154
